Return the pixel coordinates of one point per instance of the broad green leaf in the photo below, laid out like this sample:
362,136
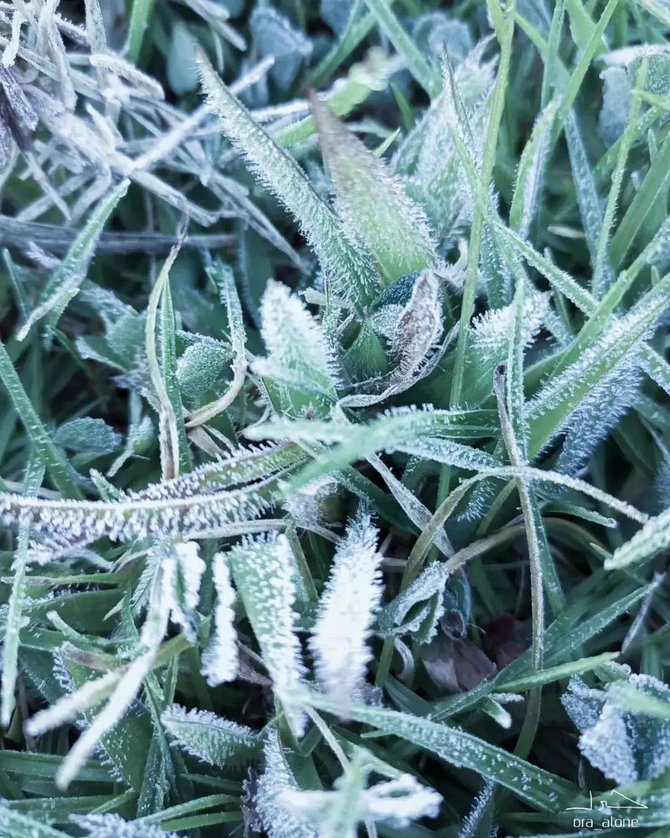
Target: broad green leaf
372,202
87,435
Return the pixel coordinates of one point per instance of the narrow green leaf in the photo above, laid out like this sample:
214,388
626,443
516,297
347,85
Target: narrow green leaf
15,619
652,539
137,26
65,281
538,788
209,737
551,407
43,445
557,673
530,174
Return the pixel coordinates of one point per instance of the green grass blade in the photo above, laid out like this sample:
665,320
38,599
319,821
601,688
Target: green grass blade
15,618
427,76
44,448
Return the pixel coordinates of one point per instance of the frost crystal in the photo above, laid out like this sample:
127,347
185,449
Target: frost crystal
417,610
372,202
219,662
625,727
186,571
113,826
209,737
419,327
277,778
263,569
346,612
337,813
299,360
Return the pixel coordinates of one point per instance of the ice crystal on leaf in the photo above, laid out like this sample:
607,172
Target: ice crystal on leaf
339,640
209,737
625,730
219,661
417,609
301,370
372,202
396,802
264,573
352,272
276,779
114,826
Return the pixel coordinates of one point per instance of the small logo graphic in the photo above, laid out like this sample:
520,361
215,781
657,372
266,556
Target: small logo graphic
606,812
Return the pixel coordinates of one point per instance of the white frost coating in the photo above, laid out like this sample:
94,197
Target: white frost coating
599,412
70,706
347,608
396,802
353,272
401,801
188,569
263,569
653,538
372,202
606,355
113,826
295,340
419,602
64,524
439,178
220,660
209,737
276,779
625,728
491,331
130,683
606,746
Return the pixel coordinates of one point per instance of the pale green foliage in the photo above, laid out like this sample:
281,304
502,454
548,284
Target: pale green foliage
352,273
371,202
